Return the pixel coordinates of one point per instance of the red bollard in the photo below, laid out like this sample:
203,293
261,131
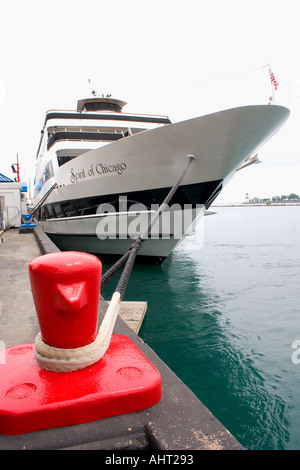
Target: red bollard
66,290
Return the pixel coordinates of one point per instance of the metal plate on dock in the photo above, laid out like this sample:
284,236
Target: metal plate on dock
33,399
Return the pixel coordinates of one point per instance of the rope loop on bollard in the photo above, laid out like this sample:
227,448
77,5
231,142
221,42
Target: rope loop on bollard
68,360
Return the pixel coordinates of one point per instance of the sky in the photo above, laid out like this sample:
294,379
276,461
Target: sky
181,59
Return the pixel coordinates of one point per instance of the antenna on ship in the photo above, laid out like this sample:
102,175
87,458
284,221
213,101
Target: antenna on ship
93,91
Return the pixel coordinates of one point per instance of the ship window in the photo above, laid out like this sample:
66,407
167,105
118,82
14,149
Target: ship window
49,211
98,106
86,207
83,136
68,209
58,210
48,172
65,155
64,159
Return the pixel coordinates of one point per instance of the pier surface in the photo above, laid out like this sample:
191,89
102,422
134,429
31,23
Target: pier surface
18,319
178,422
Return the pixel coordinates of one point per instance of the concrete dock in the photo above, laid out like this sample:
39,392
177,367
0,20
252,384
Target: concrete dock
179,421
18,319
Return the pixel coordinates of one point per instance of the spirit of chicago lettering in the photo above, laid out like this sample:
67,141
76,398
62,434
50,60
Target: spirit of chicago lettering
100,169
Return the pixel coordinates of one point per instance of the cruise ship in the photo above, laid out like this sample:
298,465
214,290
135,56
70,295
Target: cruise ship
102,173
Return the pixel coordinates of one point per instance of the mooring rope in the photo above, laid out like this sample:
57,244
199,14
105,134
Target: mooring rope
131,254
111,272
68,360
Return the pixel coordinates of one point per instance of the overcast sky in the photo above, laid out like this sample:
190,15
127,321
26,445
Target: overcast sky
178,58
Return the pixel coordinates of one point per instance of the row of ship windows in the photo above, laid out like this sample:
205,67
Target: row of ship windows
95,135
88,136
67,209
88,130
88,206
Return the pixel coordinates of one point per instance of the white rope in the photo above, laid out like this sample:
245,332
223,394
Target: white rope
68,360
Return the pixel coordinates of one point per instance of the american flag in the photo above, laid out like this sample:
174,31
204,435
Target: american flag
273,81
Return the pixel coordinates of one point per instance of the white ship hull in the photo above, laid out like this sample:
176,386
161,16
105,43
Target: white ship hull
113,234
143,167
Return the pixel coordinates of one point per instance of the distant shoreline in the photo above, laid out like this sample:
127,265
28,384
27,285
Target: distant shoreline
258,204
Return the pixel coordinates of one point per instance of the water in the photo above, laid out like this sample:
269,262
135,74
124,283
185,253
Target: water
224,319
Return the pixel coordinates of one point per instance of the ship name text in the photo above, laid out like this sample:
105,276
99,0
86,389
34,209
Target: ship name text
98,169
